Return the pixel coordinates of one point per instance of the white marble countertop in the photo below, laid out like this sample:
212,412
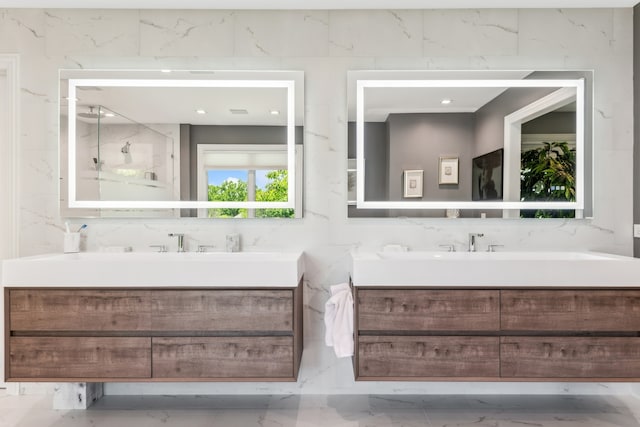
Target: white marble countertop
148,269
494,269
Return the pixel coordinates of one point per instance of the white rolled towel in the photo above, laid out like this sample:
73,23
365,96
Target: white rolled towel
338,319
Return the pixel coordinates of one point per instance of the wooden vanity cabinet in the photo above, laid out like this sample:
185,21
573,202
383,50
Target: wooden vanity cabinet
600,358
66,310
426,310
65,334
423,334
222,310
570,334
578,334
416,357
571,310
240,357
78,358
100,335
227,334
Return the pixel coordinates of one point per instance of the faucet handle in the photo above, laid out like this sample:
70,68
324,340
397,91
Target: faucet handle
161,248
203,248
492,248
450,248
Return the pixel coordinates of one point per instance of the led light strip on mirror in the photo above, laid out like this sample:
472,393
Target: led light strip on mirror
288,85
565,88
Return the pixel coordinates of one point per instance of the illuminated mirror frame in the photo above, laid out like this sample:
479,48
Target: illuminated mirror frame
289,85
577,205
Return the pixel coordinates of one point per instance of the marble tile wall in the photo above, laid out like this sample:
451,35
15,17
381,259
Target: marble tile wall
325,45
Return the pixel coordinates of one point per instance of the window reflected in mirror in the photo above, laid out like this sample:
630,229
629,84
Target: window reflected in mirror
255,173
130,141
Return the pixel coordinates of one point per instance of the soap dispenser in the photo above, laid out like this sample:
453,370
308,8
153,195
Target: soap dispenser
233,242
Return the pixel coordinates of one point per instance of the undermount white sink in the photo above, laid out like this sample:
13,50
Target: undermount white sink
494,256
470,269
148,269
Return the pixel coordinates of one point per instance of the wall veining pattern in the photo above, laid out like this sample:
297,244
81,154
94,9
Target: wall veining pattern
325,44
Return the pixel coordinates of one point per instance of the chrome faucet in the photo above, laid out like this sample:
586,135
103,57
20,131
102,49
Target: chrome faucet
472,241
180,240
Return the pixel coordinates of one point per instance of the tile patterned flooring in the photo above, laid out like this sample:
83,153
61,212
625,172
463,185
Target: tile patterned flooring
331,411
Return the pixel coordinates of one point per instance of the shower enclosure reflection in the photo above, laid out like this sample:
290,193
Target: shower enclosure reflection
188,143
122,159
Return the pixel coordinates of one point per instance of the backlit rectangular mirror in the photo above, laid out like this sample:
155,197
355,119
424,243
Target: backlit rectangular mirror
163,143
470,143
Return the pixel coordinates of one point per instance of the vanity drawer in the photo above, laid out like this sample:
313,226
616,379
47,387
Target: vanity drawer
79,310
570,357
65,358
570,310
222,310
223,358
404,357
424,310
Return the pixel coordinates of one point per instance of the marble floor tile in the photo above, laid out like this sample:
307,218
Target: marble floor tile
327,411
183,402
543,411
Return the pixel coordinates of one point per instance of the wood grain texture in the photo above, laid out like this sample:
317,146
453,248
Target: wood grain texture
298,327
397,357
79,310
424,310
121,322
7,334
79,357
223,357
570,357
222,310
356,327
570,310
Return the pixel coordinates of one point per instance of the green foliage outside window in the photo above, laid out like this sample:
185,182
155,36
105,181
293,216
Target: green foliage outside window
229,190
548,174
275,190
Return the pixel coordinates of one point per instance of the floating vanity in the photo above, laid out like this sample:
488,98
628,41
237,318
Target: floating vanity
503,316
145,317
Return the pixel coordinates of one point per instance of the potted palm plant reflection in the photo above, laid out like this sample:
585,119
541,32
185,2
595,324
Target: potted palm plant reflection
548,174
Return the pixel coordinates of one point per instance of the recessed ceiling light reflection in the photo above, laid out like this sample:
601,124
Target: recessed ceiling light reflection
201,111
446,101
274,112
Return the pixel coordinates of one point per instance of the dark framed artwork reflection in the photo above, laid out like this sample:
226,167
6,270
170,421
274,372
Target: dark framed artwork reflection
487,176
